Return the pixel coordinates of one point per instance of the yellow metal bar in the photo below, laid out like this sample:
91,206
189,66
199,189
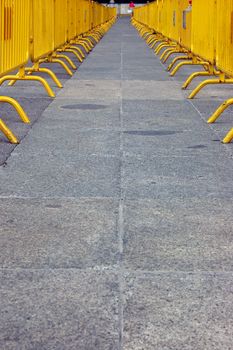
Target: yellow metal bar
209,82
83,44
220,110
193,76
171,52
18,108
79,51
152,45
175,60
26,77
95,38
187,63
8,133
70,62
47,71
74,52
229,137
160,47
56,60
165,52
151,40
89,42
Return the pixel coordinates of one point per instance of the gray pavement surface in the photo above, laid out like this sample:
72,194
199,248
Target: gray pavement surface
116,210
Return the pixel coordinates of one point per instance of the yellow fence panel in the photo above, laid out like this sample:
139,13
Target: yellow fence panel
224,50
161,16
204,21
79,9
42,30
60,22
186,24
14,34
71,19
153,17
87,8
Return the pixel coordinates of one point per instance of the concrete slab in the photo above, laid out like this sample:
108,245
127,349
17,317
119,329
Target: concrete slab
61,234
156,240
58,309
148,90
176,177
178,311
60,175
92,89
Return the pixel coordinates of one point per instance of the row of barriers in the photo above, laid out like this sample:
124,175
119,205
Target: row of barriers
198,33
46,31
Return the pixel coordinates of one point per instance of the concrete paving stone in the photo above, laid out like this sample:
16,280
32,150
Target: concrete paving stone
178,311
99,74
6,149
85,113
147,114
169,188
157,120
144,75
170,108
61,233
206,167
92,89
56,139
138,89
172,141
98,67
176,177
59,309
60,175
178,235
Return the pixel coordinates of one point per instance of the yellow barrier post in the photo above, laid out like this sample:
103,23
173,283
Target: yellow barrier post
46,53
64,23
8,133
39,25
202,50
224,55
181,16
14,41
229,137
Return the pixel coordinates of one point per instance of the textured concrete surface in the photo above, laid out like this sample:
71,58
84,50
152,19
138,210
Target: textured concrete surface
116,210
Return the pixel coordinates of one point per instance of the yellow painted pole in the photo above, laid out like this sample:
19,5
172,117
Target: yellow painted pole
8,133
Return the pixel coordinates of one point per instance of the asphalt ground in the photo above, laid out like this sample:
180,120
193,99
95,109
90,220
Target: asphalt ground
116,210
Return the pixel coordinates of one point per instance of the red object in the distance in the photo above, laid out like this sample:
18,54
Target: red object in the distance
190,2
131,4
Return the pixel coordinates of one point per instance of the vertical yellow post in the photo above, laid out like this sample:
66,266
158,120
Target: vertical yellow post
229,137
8,133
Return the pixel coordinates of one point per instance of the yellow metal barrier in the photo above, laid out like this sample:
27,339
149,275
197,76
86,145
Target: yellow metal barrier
41,43
43,31
203,49
62,35
224,56
202,30
14,41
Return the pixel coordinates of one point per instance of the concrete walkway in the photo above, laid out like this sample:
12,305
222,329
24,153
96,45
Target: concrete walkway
116,214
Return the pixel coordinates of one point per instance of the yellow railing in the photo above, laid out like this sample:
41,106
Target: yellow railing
44,31
14,48
201,30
